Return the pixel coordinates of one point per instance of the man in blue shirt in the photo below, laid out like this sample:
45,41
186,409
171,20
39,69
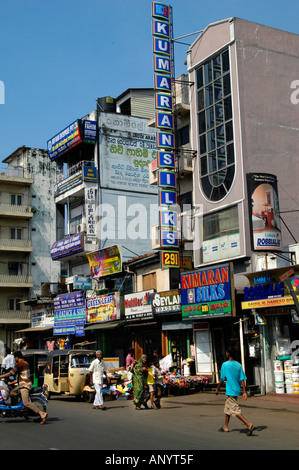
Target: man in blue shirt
233,374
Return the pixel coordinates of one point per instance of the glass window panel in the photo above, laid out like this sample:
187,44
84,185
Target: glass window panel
202,144
230,173
210,118
208,72
225,62
200,100
209,95
218,92
199,75
226,84
218,193
230,154
219,111
203,165
206,186
212,162
221,157
202,122
227,108
229,131
211,140
13,199
19,200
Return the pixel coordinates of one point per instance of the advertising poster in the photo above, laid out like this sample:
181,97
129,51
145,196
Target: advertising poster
166,302
264,212
105,262
103,308
138,306
68,246
69,311
207,293
64,141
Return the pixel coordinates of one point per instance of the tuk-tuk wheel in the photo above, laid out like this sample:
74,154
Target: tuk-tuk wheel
88,397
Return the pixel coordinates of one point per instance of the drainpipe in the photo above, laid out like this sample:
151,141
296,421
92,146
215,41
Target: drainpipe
263,360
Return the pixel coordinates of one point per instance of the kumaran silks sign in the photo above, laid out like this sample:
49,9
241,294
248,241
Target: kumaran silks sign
164,119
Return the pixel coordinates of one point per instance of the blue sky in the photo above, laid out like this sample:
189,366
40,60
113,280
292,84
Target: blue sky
58,57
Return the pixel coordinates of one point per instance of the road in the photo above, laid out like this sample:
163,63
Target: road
184,424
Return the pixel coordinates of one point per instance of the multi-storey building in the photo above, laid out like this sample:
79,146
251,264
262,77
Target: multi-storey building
26,234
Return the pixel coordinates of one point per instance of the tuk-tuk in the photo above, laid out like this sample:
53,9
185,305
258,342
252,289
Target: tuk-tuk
37,360
66,371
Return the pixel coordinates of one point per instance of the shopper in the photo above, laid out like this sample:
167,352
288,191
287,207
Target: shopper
139,371
234,376
8,362
150,382
97,370
158,385
130,359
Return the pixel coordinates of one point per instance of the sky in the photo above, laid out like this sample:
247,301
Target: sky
58,56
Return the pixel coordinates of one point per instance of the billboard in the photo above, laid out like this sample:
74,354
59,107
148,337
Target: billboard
68,246
264,212
207,293
105,262
103,308
138,306
69,311
64,141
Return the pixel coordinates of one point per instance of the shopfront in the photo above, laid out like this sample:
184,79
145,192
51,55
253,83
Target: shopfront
272,326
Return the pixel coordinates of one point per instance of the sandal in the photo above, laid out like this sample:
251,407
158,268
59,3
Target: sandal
43,420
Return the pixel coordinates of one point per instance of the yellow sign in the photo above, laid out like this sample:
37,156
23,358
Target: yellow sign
263,303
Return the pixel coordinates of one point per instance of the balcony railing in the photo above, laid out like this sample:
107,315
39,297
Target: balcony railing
15,244
15,210
15,316
78,168
7,280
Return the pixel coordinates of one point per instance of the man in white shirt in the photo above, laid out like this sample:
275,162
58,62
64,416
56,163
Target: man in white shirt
97,369
8,362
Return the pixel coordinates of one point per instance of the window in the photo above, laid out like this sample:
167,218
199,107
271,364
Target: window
215,127
16,199
221,223
14,268
14,304
16,234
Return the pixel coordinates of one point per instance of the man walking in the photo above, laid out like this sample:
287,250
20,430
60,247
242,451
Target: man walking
97,369
233,374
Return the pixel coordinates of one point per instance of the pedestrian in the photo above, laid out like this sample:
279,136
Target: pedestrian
232,373
158,385
22,370
97,370
8,362
139,371
150,382
129,359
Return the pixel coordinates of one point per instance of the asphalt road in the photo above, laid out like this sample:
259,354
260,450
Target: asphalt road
184,424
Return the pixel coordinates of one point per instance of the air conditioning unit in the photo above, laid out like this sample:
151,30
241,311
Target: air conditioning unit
186,225
155,237
81,228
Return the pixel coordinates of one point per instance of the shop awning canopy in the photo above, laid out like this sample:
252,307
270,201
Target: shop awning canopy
38,328
105,325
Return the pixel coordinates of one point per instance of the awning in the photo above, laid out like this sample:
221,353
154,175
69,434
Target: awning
142,324
105,325
38,328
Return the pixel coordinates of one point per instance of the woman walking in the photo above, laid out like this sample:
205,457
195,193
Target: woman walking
139,371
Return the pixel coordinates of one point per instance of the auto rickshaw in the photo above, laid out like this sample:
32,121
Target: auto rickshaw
66,371
37,360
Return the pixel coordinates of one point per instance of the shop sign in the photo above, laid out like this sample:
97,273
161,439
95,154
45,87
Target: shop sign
138,306
68,246
264,212
103,308
207,293
69,311
166,302
264,291
89,131
67,139
82,282
105,262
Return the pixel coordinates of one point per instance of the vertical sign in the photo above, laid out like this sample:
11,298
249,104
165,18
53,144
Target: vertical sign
167,182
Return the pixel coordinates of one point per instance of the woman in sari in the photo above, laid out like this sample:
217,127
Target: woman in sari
139,370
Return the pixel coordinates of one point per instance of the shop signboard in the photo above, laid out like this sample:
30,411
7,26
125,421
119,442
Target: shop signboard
264,212
138,306
103,308
67,139
68,246
89,131
69,311
166,302
105,262
207,293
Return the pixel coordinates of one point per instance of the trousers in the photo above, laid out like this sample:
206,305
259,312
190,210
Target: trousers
98,399
25,398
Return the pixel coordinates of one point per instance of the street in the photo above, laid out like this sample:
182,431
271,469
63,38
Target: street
184,424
